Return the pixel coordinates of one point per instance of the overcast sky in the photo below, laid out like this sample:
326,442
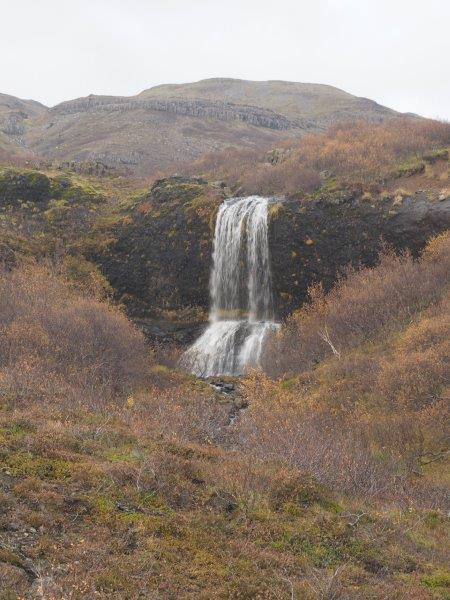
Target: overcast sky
394,51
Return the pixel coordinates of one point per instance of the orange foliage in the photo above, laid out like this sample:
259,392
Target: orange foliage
362,402
365,306
57,342
356,153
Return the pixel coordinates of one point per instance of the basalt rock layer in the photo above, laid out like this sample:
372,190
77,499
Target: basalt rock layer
161,256
314,241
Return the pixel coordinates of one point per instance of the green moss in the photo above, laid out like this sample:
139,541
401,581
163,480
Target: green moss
86,196
26,464
104,505
200,200
322,553
58,185
19,428
440,578
122,455
24,185
330,184
275,209
111,580
330,505
434,155
433,519
177,189
412,165
289,384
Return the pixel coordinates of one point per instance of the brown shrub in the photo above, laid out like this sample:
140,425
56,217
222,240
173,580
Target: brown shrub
181,413
288,178
53,339
362,151
364,306
355,154
366,403
338,448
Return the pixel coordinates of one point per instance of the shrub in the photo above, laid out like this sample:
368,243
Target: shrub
350,155
363,398
55,339
365,305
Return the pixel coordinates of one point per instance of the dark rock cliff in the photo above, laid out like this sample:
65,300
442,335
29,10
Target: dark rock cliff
161,258
313,241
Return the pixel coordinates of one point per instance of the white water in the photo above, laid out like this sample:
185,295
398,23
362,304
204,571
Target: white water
241,316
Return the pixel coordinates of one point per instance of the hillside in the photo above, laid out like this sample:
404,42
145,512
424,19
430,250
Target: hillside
15,118
123,478
322,476
320,105
367,185
169,124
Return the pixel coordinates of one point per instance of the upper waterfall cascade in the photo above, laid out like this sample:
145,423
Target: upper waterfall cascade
241,315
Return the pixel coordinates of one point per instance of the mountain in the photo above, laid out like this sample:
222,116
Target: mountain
15,112
171,123
15,117
313,104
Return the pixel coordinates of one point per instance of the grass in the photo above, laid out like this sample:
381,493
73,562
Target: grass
171,540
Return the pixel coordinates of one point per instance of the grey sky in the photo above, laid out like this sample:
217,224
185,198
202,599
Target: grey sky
394,51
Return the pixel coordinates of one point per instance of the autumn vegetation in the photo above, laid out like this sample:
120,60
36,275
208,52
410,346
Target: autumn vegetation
361,380
359,156
123,477
60,342
324,476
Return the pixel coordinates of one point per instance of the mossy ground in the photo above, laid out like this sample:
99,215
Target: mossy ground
96,509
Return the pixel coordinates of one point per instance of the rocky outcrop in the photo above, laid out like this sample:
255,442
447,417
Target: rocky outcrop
313,241
161,258
221,111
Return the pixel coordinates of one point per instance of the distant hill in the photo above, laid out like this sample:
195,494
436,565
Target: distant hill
313,104
15,117
171,123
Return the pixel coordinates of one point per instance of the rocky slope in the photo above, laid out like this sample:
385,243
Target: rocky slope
161,256
154,247
314,241
15,118
172,123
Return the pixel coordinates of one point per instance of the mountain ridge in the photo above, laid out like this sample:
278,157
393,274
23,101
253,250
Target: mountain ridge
171,123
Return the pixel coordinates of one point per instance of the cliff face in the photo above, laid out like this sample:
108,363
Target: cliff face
221,111
314,241
162,255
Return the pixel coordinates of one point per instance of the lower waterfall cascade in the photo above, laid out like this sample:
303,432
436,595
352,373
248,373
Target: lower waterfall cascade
241,316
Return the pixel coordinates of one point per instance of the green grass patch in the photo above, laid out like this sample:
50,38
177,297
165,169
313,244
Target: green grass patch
26,464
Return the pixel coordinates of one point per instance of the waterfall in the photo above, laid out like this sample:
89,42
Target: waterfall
241,316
